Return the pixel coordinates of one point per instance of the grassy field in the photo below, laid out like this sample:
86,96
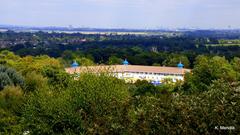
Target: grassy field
215,45
224,42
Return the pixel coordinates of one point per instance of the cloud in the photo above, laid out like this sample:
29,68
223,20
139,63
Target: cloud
122,13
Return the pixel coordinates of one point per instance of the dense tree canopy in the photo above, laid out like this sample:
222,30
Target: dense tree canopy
139,49
208,69
38,97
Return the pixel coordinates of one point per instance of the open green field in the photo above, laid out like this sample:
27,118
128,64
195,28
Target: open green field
215,45
224,42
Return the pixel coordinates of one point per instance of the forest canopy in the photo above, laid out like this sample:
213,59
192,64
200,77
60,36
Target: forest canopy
37,96
43,99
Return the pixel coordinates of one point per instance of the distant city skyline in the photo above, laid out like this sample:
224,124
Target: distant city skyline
129,14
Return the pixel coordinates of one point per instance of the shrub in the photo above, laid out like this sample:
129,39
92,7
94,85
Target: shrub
102,99
5,80
93,105
9,76
188,114
145,88
11,101
34,81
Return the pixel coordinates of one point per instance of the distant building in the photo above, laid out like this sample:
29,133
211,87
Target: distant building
132,73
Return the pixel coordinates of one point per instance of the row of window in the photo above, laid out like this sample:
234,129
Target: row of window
148,73
142,76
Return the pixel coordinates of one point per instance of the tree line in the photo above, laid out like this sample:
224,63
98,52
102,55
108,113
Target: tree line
138,49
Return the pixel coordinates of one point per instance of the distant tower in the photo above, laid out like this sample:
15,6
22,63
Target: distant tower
180,65
125,62
74,64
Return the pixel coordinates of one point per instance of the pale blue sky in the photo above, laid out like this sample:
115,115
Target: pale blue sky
122,13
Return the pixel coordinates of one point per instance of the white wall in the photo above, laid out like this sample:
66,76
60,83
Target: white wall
148,76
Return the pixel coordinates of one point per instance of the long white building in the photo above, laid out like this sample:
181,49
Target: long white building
132,73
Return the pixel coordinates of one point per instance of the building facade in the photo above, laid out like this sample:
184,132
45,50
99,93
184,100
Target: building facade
132,73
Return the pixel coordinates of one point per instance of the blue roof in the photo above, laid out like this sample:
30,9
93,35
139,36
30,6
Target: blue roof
180,65
125,62
74,64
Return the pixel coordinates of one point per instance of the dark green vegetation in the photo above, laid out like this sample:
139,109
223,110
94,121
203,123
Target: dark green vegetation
9,76
110,49
40,98
226,43
46,100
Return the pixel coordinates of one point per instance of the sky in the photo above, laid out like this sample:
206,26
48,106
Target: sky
137,14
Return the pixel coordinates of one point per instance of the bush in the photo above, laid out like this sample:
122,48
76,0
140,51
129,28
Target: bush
145,88
10,97
5,80
34,81
93,105
188,114
57,78
51,112
11,101
102,100
207,70
9,76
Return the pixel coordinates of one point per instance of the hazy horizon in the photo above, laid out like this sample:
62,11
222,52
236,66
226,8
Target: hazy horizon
134,14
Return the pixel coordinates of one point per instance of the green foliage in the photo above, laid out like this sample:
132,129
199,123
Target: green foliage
156,64
51,112
235,63
207,70
113,60
90,105
85,61
236,66
57,78
216,107
37,64
9,123
145,88
29,63
68,55
173,60
11,99
34,81
9,76
5,80
102,100
188,114
53,102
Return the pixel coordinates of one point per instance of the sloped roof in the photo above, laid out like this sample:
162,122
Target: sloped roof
128,68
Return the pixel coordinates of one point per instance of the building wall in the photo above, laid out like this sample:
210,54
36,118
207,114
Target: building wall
134,76
132,73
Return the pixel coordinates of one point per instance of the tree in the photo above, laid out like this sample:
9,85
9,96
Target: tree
9,76
85,61
145,88
91,105
236,66
68,55
57,78
235,63
34,82
208,69
11,101
173,60
113,60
